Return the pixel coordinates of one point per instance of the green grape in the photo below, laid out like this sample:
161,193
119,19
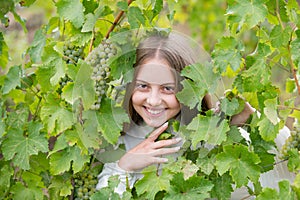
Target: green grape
72,53
293,142
99,60
63,82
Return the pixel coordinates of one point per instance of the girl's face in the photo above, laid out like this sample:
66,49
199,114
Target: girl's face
153,96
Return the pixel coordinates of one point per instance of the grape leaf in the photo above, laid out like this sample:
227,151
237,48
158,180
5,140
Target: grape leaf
295,48
19,191
19,148
56,118
36,48
61,184
71,10
240,163
6,173
208,129
246,12
110,120
12,79
280,37
84,86
61,161
227,52
271,110
222,187
203,81
51,58
44,75
151,183
268,193
268,130
135,17
3,52
196,187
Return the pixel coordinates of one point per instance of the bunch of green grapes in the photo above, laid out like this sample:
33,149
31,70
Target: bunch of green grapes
293,142
99,59
84,185
72,53
62,82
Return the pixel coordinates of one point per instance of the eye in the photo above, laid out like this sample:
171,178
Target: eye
141,86
169,89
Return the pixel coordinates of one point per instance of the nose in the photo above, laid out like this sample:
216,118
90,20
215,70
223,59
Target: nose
154,97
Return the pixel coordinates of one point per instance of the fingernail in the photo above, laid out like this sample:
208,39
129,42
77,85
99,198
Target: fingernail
178,139
165,124
177,148
165,159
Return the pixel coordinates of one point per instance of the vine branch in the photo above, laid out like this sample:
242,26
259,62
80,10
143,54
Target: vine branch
116,21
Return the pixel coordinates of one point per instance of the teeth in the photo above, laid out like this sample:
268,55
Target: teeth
154,112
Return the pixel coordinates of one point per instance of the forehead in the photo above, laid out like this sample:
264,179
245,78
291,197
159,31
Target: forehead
156,73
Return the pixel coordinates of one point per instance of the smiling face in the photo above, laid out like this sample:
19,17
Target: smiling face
154,92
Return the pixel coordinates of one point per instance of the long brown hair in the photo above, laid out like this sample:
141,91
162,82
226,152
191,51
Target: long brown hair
178,51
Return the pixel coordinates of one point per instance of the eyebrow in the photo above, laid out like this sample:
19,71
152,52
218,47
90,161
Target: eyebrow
172,83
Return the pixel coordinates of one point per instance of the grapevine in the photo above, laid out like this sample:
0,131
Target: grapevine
99,60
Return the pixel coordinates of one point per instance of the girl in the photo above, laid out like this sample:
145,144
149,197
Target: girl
151,102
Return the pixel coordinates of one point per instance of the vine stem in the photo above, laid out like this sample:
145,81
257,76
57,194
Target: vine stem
293,68
117,19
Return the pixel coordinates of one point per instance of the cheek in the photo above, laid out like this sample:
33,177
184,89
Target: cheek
137,98
173,102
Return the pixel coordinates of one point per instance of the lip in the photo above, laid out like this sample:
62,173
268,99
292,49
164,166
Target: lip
154,112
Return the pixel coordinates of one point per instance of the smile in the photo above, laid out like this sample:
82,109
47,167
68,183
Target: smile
154,111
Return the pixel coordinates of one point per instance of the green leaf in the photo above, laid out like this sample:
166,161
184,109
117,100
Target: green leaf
280,37
196,187
56,118
19,148
6,173
286,191
151,183
44,75
110,120
3,52
52,59
19,191
241,164
61,161
208,129
84,86
233,106
268,193
245,12
123,5
268,130
222,187
227,52
295,48
294,160
203,81
135,17
71,10
12,79
62,184
36,49
271,110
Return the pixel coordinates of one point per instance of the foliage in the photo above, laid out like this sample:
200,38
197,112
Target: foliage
49,133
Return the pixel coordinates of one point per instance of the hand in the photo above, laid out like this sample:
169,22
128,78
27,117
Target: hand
148,152
240,118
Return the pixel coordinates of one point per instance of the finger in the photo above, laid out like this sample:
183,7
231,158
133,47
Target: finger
165,143
158,131
165,151
157,160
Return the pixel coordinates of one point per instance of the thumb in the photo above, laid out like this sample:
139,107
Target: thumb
153,136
